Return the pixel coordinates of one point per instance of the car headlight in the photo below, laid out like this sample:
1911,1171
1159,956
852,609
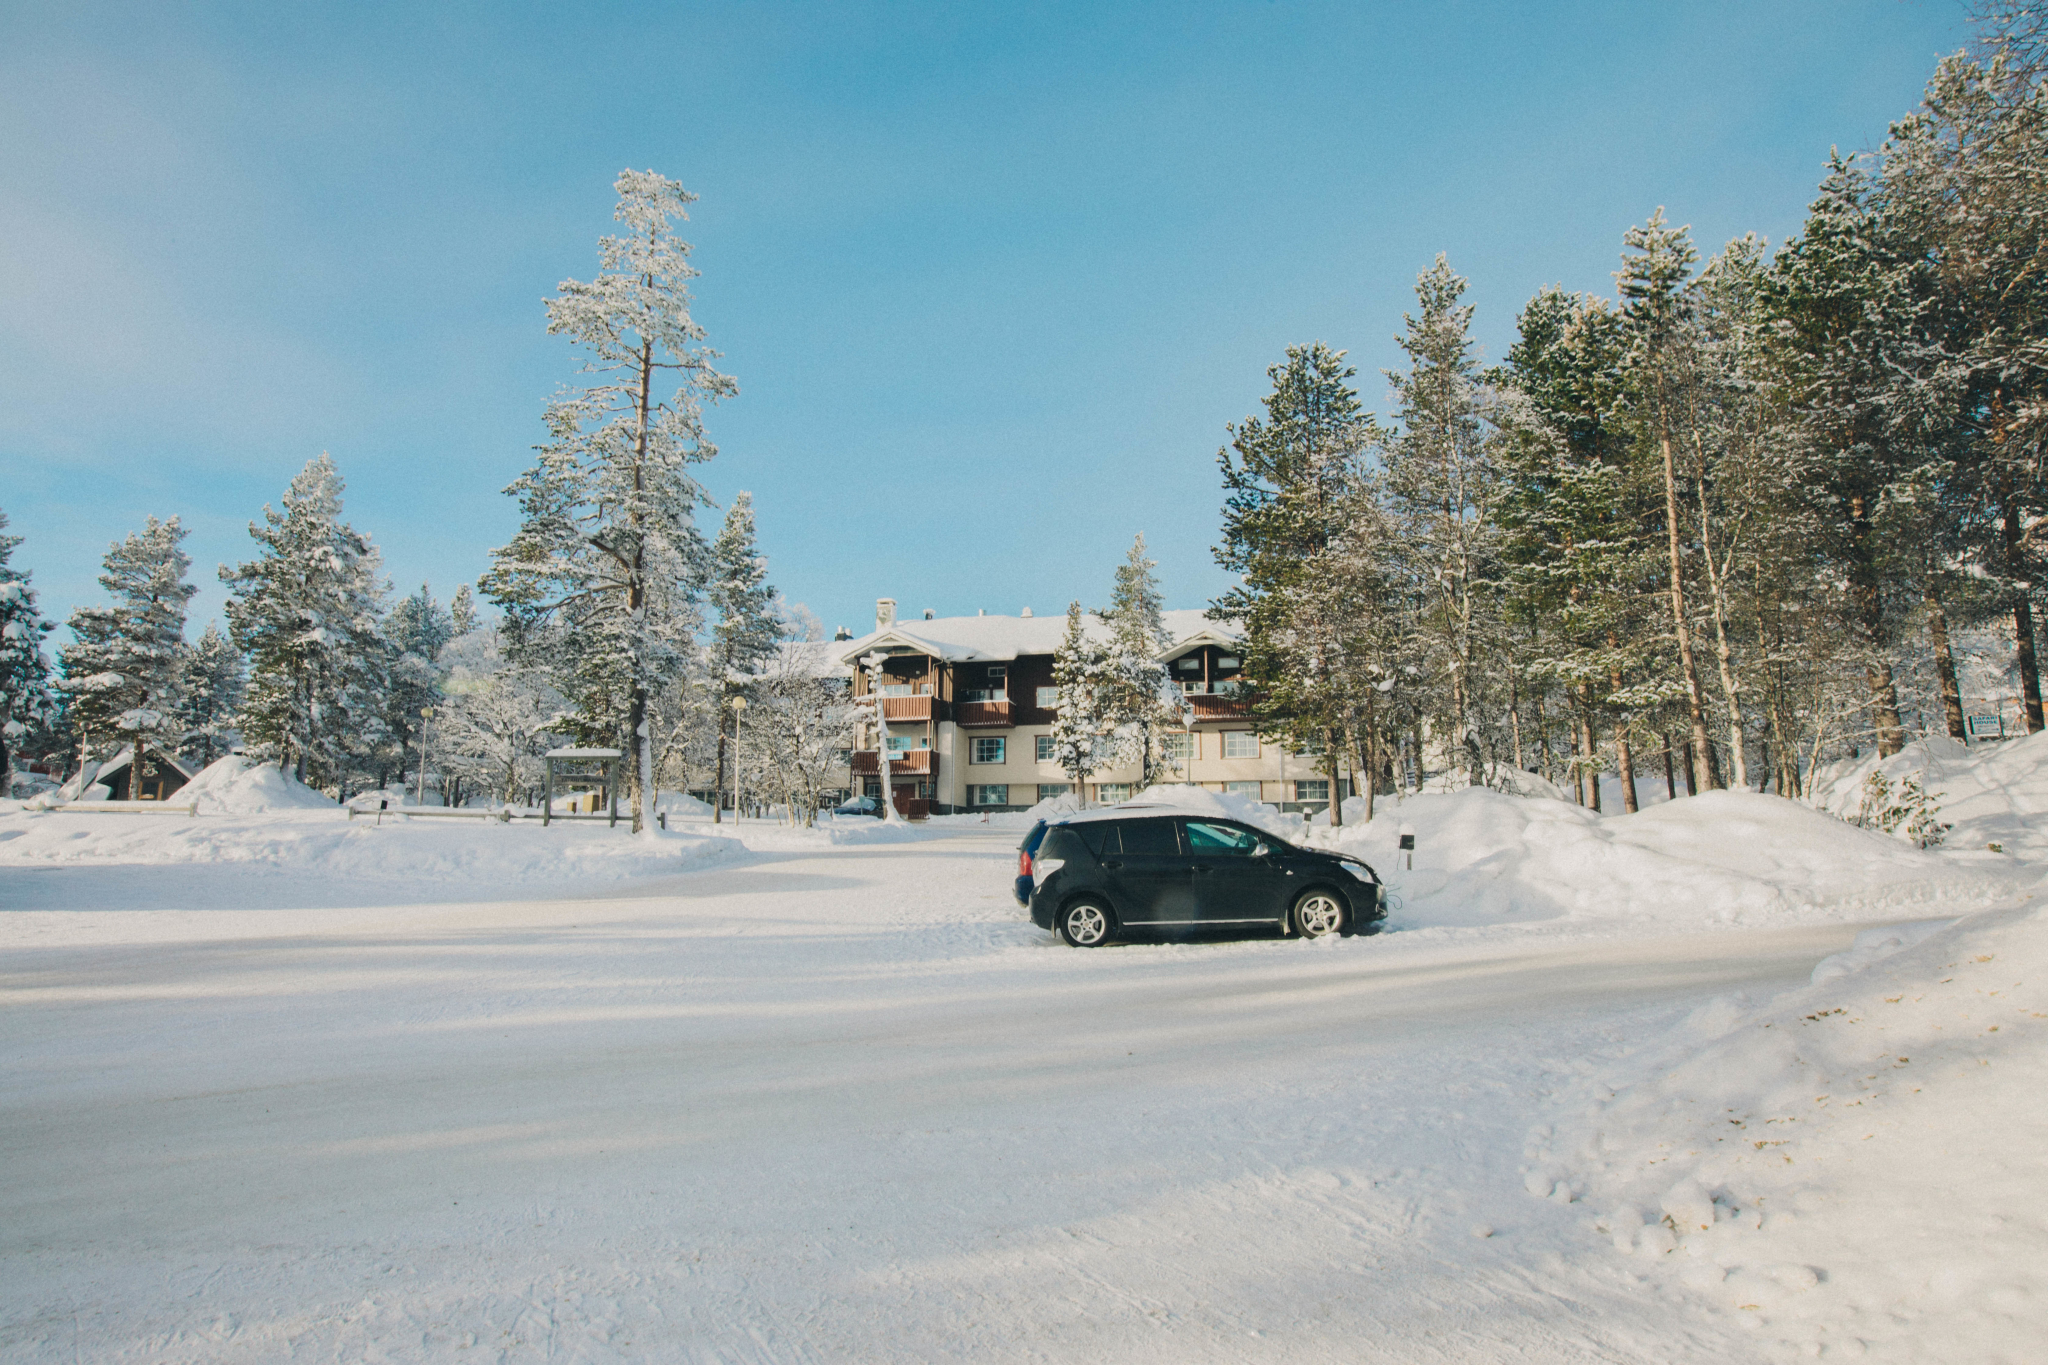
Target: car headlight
1355,870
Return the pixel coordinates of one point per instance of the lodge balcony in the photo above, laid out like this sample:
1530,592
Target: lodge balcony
907,708
1217,706
982,715
902,763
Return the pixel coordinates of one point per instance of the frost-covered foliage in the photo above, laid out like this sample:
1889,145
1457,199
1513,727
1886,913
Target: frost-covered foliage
211,682
307,614
599,584
746,631
1138,699
1908,809
496,720
28,711
121,672
1083,727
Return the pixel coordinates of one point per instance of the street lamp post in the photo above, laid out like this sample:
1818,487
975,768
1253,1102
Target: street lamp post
426,719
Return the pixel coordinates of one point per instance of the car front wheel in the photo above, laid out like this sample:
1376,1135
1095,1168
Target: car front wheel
1318,914
1085,924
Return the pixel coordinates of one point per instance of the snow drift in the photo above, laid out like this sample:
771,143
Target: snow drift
1720,858
235,785
1990,793
1855,1164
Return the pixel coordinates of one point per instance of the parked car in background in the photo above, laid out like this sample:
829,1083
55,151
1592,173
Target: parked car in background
860,805
1145,872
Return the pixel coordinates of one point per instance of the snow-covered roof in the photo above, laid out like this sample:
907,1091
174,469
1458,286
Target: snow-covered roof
126,752
994,639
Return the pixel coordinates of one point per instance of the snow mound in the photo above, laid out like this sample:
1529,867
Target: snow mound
1990,793
1721,858
681,806
1850,1165
235,785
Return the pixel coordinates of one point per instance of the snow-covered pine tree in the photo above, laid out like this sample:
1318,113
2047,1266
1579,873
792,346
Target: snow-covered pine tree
1289,477
1657,308
121,671
462,612
598,583
1081,725
747,630
27,707
1139,699
211,681
306,612
415,633
1443,486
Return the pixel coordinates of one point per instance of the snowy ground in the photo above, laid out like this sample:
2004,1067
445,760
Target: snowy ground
417,1096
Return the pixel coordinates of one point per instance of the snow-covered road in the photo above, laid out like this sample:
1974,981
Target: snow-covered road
832,1105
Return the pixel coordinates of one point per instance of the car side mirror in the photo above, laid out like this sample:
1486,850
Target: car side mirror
1261,850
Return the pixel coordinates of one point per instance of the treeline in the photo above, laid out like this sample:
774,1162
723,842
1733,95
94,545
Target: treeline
1725,525
619,624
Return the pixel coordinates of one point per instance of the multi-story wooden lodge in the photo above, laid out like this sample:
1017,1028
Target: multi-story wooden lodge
969,704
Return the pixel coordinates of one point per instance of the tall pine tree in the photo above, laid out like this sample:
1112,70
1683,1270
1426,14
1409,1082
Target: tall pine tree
26,705
598,583
122,668
747,630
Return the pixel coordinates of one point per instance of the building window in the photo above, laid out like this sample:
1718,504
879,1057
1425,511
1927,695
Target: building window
1312,747
1191,664
998,672
989,794
1048,790
1250,789
1240,744
842,757
1112,791
896,690
1048,698
1042,748
1226,663
984,694
987,749
898,743
1177,748
1315,789
871,786
924,788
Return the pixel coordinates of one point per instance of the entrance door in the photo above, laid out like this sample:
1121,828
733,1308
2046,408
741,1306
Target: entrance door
1233,884
1149,875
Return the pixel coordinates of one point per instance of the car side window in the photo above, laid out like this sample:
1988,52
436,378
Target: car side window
1220,841
1100,836
1149,838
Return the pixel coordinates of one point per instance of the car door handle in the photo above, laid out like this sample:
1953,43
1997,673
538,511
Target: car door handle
1112,866
1200,868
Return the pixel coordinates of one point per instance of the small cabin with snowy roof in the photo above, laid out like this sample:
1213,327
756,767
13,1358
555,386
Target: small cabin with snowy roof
161,775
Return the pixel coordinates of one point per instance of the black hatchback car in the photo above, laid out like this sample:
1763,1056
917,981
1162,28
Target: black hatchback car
1130,872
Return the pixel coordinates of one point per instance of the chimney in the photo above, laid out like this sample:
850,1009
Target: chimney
1027,611
885,612
843,634
981,611
928,614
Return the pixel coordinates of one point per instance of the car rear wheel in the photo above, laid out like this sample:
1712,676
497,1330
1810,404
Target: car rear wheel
1085,924
1318,914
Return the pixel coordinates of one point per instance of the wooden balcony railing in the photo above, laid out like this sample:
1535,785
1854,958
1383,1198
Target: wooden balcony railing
970,715
902,763
907,708
1215,706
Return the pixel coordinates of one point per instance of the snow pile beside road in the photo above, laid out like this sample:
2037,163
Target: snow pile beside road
235,785
1856,1167
469,855
1721,858
1991,794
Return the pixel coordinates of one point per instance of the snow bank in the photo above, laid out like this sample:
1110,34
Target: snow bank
427,858
1855,1166
1990,793
235,785
1718,858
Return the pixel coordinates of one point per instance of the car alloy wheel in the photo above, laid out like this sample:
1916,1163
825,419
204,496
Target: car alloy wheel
1318,914
1084,924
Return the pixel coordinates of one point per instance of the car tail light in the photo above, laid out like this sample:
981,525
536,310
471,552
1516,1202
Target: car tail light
1023,864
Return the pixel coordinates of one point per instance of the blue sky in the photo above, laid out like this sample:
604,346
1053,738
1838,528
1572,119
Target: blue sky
992,278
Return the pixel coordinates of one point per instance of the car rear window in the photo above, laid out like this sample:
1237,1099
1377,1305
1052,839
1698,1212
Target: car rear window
1099,835
1031,840
1061,843
1148,838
